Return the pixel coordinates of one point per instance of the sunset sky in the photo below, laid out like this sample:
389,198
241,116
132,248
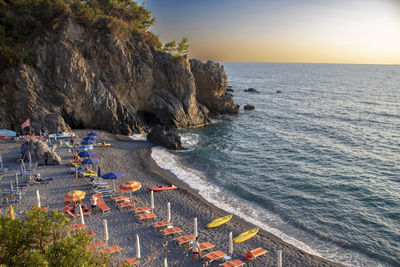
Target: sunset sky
328,31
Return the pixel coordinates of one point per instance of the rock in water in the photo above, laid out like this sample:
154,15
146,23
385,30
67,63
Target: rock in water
159,136
251,90
41,153
248,107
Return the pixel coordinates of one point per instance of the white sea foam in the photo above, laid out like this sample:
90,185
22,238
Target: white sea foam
189,140
139,137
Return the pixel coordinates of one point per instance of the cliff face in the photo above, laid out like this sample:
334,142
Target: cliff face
84,79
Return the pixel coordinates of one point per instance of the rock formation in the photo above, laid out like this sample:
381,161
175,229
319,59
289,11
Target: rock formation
251,90
159,136
41,153
83,79
248,107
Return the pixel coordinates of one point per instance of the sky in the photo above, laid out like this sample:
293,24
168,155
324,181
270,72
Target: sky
311,31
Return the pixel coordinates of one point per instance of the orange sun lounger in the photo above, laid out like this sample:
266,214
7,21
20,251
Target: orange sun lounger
233,263
147,216
104,208
111,250
172,231
158,225
76,226
141,210
96,245
120,199
206,246
126,204
184,239
215,255
255,253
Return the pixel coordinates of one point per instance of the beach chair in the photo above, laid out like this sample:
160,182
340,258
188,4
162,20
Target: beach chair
147,216
96,245
121,199
76,227
43,181
184,240
89,232
213,256
160,225
255,253
111,250
104,208
233,263
171,231
131,261
101,191
85,212
128,205
98,187
206,246
141,210
23,184
107,194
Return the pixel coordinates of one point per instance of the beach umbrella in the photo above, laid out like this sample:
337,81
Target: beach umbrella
168,212
90,161
165,262
152,200
1,161
129,186
74,195
137,247
230,244
87,154
105,230
90,138
195,228
93,134
7,133
30,158
11,186
21,167
16,180
279,258
88,142
113,176
38,198
81,211
12,214
98,171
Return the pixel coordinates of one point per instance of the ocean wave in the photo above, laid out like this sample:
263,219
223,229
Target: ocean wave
139,137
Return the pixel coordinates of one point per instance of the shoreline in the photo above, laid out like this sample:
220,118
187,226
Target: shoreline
134,159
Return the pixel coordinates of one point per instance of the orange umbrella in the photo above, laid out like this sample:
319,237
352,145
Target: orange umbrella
130,186
74,195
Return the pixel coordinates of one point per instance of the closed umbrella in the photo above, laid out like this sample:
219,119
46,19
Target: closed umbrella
105,230
152,200
12,214
87,154
30,158
169,212
81,211
113,176
137,247
230,244
16,180
165,262
38,198
195,227
1,161
74,195
130,186
98,171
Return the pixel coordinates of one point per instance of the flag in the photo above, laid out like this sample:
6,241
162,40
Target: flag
27,123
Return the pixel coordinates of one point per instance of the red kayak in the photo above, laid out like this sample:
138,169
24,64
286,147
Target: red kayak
162,187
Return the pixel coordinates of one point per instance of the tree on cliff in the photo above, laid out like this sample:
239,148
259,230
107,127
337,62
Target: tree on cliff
180,48
42,239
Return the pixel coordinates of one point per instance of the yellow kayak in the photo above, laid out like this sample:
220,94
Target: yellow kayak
246,235
219,221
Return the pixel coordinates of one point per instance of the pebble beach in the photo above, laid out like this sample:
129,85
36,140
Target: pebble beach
133,158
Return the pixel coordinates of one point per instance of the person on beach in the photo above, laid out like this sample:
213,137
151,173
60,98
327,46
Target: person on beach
38,178
93,202
196,249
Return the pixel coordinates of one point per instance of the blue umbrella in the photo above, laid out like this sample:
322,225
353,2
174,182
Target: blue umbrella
98,172
86,154
90,161
113,176
88,142
7,133
93,134
90,138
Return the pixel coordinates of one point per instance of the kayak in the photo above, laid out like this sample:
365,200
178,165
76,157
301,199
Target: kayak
219,221
162,187
246,235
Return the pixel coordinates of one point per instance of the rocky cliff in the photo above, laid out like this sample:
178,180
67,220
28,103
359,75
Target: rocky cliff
87,79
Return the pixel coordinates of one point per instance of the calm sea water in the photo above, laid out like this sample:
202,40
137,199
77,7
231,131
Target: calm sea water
317,164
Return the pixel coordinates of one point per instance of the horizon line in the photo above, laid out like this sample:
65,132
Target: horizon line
330,63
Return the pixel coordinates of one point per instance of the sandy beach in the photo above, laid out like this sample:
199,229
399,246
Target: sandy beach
133,158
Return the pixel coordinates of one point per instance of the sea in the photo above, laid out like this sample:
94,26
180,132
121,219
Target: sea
317,163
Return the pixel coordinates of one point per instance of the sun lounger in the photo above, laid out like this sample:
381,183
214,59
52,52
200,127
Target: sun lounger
128,205
160,225
111,250
233,263
107,194
131,261
89,232
141,210
96,245
97,183
68,211
120,199
183,240
147,216
45,208
76,226
101,191
87,212
43,181
171,231
23,184
213,256
255,253
88,174
206,246
104,208
10,202
98,187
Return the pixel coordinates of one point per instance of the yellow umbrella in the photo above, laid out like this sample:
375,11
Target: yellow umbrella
130,186
74,195
12,215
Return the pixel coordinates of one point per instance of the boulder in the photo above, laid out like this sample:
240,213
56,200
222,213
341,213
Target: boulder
41,153
251,90
159,136
278,91
230,90
248,107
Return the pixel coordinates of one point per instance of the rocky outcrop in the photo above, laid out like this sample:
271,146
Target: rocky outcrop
41,153
211,83
251,90
84,79
159,136
248,107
